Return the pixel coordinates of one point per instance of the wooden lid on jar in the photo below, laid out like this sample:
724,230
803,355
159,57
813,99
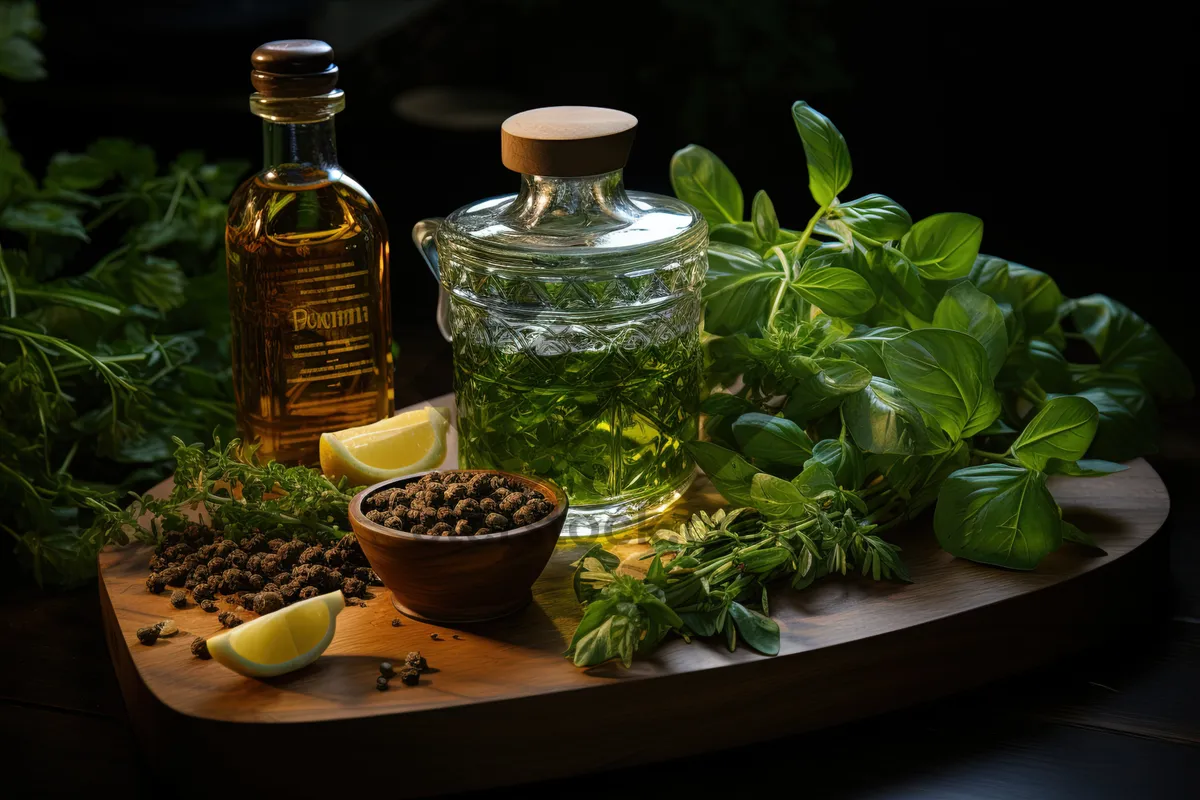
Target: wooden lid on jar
567,141
294,68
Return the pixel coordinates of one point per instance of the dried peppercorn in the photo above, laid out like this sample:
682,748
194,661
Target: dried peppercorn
512,502
395,622
446,514
441,529
238,559
381,684
179,598
497,521
353,587
418,528
488,506
309,592
386,670
267,603
526,515
155,583
377,516
455,492
254,563
313,555
203,592
463,528
216,565
148,635
228,619
200,648
500,494
410,677
257,582
209,606
416,660
466,508
333,558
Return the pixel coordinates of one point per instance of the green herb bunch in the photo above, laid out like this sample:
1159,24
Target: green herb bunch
113,325
913,368
872,367
269,498
710,577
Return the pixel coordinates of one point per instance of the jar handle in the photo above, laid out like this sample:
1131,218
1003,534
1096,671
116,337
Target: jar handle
424,235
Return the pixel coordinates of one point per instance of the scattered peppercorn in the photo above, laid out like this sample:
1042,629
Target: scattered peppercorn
385,669
309,592
200,648
228,619
204,563
411,677
416,660
395,622
433,636
167,627
381,684
148,635
267,603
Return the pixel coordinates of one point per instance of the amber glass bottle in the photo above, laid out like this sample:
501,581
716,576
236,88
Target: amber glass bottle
307,255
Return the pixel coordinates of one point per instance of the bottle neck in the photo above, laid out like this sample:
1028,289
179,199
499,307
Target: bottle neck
306,145
569,204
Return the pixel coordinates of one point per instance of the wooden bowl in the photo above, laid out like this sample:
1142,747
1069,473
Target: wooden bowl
456,579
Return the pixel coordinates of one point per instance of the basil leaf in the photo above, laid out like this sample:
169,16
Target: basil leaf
594,616
944,373
1084,468
723,404
873,218
815,481
776,498
1126,344
758,631
762,213
729,472
930,475
944,246
882,420
964,308
1033,295
901,276
1071,533
739,290
838,292
866,347
842,459
841,256
760,562
1062,429
825,150
998,514
772,438
739,233
1128,425
701,623
822,385
608,562
1050,367
700,178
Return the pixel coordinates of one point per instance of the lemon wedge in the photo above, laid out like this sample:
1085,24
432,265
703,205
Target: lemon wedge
286,640
400,445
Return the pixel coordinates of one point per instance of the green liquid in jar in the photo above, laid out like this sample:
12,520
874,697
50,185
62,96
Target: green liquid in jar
607,424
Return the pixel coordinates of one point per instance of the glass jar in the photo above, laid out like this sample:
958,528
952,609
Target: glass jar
574,311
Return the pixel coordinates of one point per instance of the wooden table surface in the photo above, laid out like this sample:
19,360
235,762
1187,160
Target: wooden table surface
1120,720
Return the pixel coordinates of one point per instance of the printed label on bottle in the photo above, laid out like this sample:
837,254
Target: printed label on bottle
328,347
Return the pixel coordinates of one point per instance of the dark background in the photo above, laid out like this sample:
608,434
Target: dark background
1051,125
1054,126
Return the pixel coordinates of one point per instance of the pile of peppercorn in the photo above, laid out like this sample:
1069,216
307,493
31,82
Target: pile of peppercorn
258,574
457,504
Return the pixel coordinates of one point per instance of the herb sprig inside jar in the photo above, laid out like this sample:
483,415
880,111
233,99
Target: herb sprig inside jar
457,504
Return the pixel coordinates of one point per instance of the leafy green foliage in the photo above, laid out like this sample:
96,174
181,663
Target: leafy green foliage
703,180
1063,429
944,374
943,246
829,168
709,577
102,362
998,514
923,371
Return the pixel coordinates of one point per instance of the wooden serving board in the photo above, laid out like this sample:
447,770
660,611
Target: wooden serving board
503,706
